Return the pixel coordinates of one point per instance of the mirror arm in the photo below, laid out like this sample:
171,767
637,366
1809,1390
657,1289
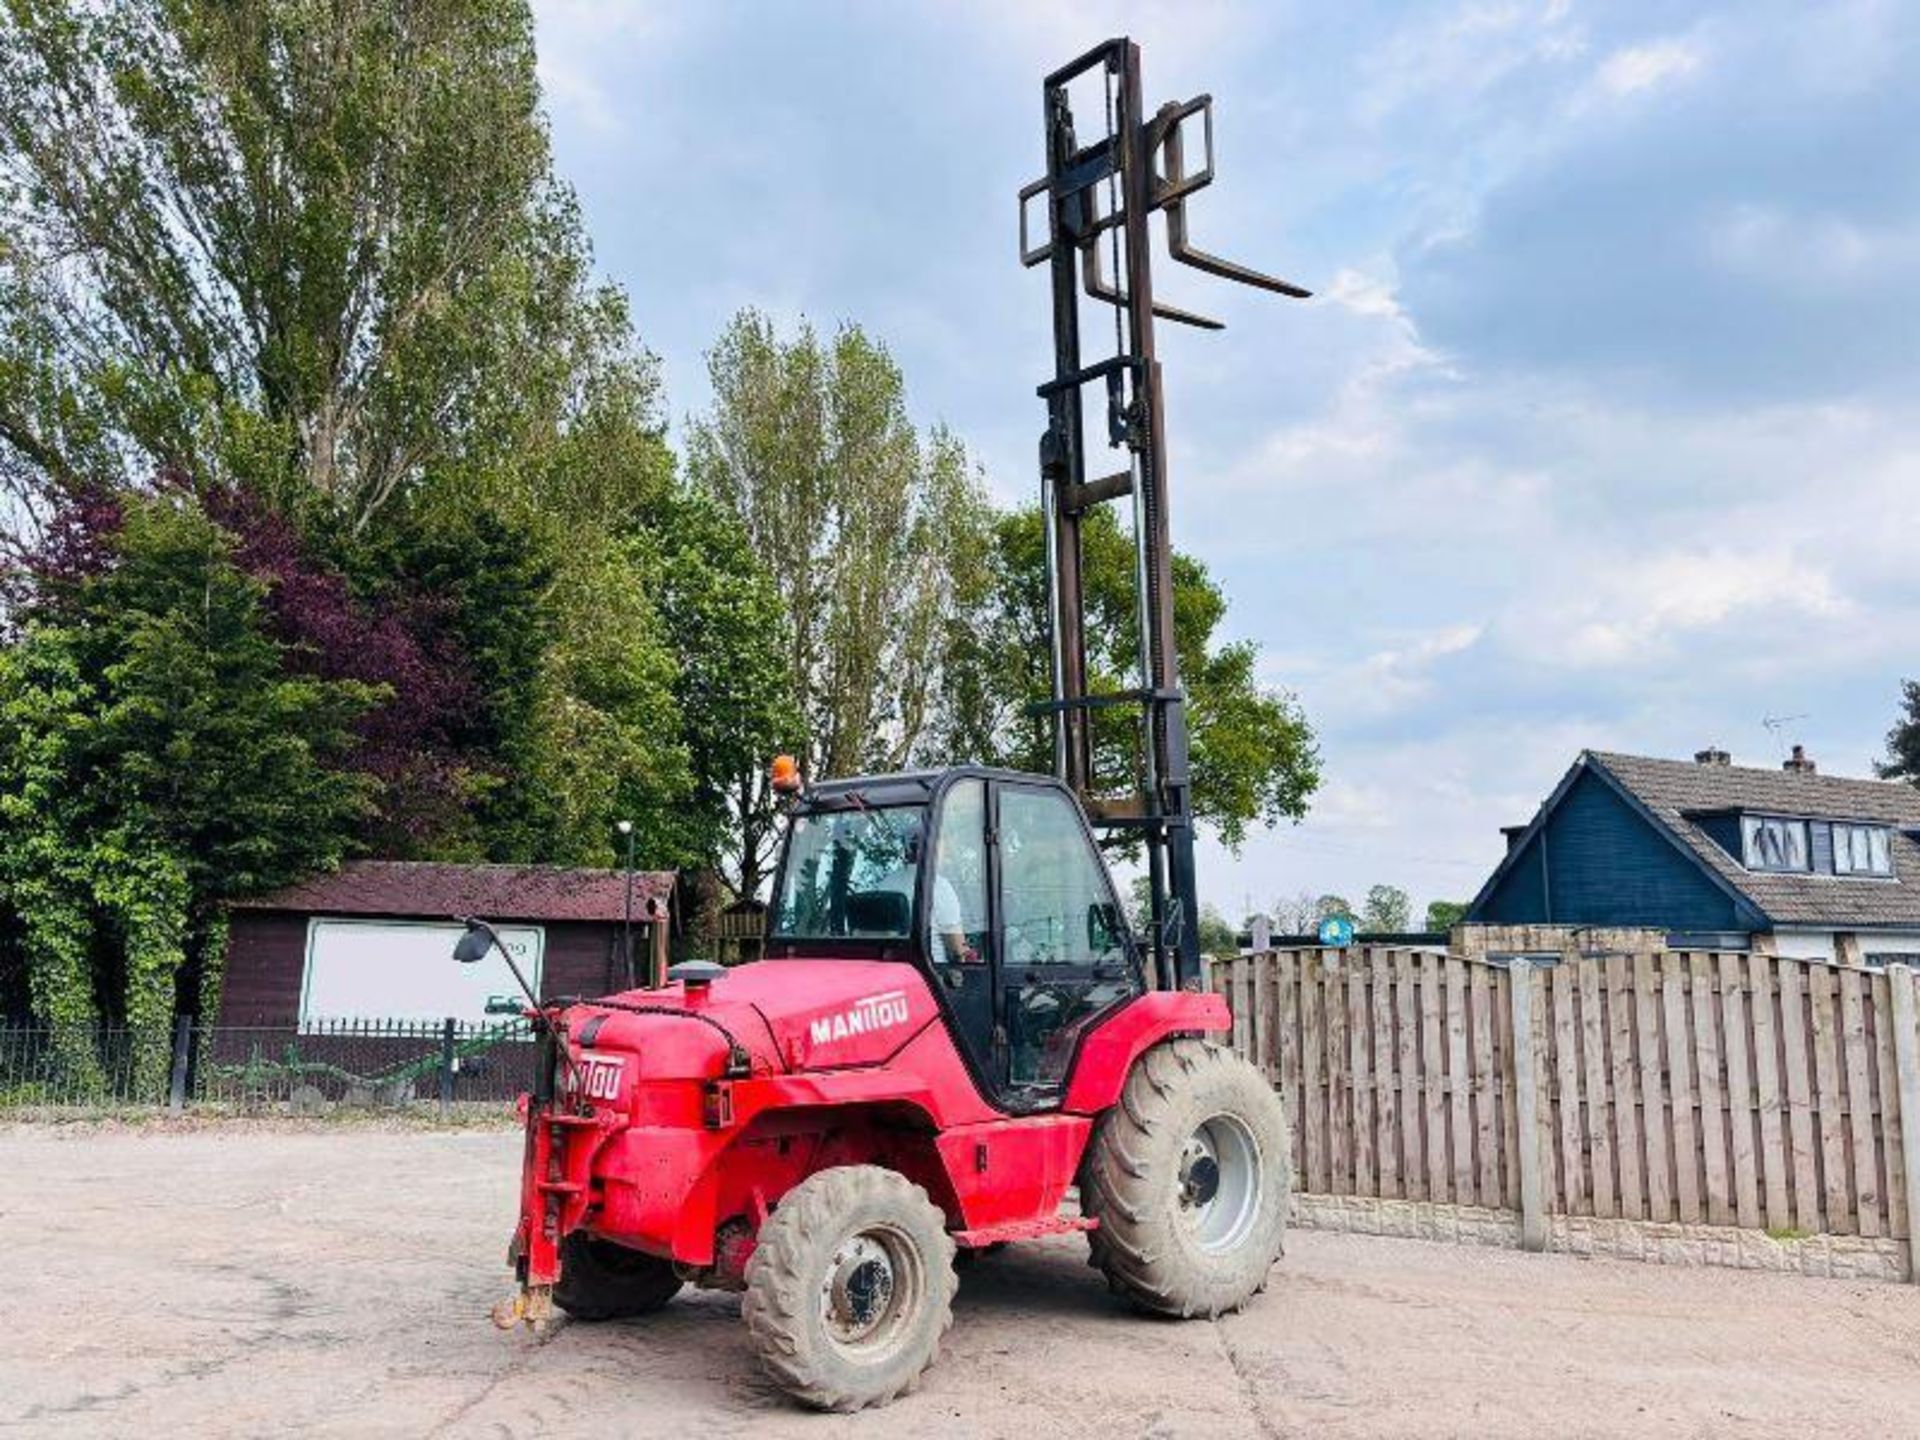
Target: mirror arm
474,922
540,1020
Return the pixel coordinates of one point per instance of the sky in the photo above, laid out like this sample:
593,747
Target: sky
1600,431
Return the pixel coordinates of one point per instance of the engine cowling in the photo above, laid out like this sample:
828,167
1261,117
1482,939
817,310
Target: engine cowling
786,1016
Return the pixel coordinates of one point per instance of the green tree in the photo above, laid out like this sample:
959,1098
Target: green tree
156,760
1903,740
1253,755
316,254
724,621
1217,935
1388,910
872,534
309,246
1445,914
1333,907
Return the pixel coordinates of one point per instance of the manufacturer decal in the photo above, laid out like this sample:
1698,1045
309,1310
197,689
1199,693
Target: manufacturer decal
596,1077
873,1012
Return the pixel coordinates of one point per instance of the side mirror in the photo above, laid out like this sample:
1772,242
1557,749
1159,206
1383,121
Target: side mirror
476,944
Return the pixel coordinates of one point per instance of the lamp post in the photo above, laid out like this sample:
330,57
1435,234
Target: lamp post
625,827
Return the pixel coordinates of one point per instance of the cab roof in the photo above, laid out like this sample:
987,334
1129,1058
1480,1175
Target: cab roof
904,787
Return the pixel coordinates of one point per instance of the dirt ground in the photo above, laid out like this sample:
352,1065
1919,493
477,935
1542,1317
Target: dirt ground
336,1282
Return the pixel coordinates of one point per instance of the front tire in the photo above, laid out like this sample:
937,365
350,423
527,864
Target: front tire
1189,1177
850,1287
600,1280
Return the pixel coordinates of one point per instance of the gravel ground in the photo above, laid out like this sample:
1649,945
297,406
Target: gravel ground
217,1282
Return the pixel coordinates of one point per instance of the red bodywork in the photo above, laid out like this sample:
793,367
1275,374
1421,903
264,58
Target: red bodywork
650,1141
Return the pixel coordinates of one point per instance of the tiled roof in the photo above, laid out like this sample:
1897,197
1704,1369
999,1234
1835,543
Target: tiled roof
1675,789
494,892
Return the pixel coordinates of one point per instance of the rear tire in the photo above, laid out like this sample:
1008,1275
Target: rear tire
1189,1176
600,1280
850,1288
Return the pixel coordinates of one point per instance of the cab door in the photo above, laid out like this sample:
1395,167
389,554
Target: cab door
959,927
1063,951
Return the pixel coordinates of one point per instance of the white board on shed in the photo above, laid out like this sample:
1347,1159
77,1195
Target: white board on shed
405,970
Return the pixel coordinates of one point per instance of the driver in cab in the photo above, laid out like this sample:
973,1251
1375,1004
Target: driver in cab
947,926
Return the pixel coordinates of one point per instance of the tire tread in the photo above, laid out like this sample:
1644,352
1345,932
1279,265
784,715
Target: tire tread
777,1291
1134,1245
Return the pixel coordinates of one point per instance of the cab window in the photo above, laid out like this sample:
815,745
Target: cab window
1064,961
850,873
1059,910
957,904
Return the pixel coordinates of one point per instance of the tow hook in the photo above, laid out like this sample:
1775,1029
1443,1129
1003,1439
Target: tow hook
532,1304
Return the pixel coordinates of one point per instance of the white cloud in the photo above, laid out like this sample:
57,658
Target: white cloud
1632,611
1367,295
1637,68
586,46
1464,54
1391,679
1173,40
1344,804
1777,246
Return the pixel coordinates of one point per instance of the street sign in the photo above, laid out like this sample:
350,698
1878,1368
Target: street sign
1336,931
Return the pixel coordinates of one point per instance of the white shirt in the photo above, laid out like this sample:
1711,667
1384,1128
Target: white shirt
947,918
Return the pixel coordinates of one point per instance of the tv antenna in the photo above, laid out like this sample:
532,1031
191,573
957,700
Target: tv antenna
1776,726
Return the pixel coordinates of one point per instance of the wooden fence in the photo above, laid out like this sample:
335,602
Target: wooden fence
1729,1089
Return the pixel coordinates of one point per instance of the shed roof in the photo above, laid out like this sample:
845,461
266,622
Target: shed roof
1676,791
437,889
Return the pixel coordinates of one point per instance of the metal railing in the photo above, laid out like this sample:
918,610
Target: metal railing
314,1068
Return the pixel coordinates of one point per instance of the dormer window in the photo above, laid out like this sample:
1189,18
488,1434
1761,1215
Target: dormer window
1775,844
1862,850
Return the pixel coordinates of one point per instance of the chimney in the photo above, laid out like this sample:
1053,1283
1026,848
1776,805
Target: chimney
1800,763
1513,834
1712,755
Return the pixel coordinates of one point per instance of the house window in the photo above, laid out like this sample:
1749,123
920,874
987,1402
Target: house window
1539,960
1774,844
1880,959
1862,850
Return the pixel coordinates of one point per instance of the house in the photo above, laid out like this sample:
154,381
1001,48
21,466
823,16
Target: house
1718,856
374,940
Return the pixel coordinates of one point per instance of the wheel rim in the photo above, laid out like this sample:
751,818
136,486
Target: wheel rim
873,1287
1221,1182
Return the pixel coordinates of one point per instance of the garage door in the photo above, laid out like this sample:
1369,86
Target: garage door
400,970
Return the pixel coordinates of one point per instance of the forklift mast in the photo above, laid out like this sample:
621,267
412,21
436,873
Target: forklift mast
1102,194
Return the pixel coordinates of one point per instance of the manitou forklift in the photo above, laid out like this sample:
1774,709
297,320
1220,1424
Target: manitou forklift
954,1039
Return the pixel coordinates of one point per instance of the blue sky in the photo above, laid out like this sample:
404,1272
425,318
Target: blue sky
1600,431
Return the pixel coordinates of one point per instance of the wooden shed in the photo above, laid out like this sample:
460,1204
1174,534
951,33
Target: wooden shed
374,940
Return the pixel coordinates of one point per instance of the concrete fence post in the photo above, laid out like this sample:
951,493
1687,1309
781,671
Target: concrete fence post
446,1066
1906,1062
1533,1219
182,1052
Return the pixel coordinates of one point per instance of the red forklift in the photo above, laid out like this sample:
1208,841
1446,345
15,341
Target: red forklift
954,1039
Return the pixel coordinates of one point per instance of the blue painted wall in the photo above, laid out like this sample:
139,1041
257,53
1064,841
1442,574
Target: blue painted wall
1598,861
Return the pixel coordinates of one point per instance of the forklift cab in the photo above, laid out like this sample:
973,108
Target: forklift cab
991,882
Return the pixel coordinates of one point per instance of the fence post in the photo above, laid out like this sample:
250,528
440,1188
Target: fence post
1906,1061
446,1067
182,1049
1533,1221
